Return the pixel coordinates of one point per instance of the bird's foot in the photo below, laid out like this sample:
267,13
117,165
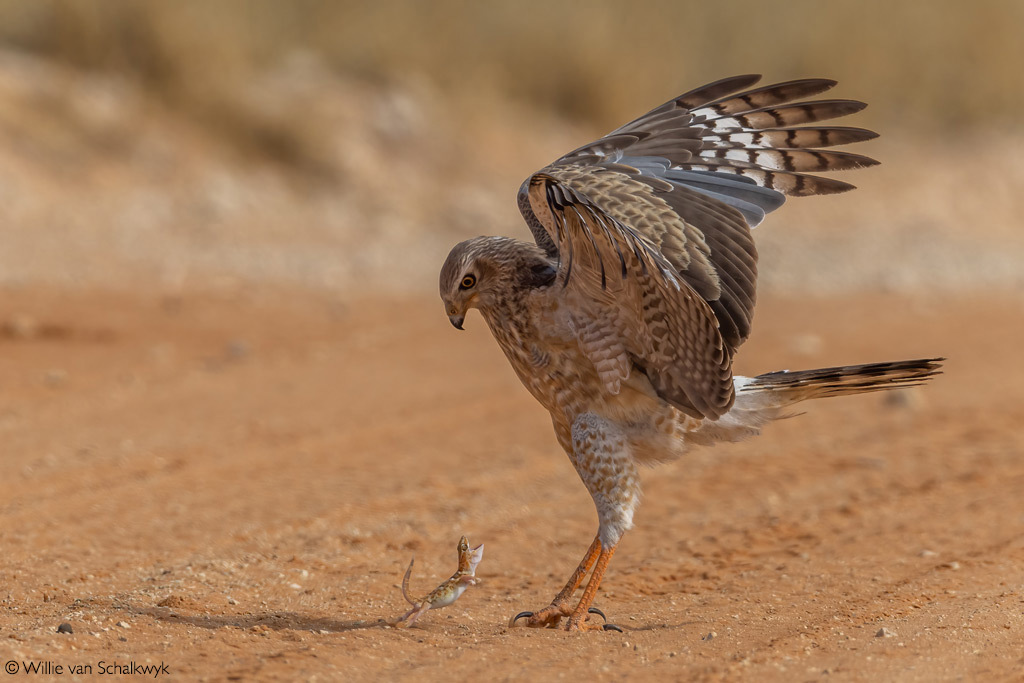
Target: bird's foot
583,621
579,616
549,617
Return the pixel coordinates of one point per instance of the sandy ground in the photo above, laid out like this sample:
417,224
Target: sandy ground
216,456
232,485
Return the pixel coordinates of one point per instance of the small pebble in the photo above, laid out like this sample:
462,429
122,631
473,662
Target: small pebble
64,628
232,601
55,377
237,349
710,636
885,633
124,624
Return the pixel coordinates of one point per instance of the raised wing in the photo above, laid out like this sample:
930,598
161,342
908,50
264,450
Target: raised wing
628,306
756,134
680,188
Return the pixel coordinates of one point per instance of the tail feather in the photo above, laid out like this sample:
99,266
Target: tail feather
844,380
768,397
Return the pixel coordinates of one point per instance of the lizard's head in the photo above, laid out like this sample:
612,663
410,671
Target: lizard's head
469,558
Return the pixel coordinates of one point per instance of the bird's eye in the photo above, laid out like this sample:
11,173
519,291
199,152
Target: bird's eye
468,282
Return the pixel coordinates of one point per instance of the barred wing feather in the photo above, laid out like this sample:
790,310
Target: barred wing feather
670,199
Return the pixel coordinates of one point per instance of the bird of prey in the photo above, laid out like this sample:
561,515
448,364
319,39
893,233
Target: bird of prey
624,317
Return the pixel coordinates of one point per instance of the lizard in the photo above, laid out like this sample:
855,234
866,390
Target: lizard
449,591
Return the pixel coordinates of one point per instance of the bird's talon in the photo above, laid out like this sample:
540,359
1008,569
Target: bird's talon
594,610
519,616
611,627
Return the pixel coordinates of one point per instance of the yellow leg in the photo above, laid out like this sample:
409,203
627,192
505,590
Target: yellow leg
559,607
578,618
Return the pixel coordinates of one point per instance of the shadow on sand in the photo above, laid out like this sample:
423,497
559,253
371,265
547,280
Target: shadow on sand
271,620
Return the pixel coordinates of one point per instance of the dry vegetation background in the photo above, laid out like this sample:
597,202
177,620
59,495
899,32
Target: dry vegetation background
347,145
231,409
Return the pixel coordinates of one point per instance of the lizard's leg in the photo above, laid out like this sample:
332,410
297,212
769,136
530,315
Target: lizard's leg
412,615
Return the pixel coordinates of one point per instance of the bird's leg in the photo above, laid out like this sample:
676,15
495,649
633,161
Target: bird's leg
601,455
562,599
600,452
578,618
560,606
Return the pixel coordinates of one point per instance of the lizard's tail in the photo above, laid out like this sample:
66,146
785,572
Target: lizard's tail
405,583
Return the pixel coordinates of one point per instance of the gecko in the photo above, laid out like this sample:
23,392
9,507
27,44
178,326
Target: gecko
449,591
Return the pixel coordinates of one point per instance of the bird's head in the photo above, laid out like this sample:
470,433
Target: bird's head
470,277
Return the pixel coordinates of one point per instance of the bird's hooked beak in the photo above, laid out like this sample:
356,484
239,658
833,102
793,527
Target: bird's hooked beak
456,314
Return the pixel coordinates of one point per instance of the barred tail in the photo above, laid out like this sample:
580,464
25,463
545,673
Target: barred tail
841,381
767,397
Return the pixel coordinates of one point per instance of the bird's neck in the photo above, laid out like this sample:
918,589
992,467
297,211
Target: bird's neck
506,314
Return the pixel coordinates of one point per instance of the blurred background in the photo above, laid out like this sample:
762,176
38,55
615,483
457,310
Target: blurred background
348,145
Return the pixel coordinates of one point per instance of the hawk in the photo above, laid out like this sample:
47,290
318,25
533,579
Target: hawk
624,317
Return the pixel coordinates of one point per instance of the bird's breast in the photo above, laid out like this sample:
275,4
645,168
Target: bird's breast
543,349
